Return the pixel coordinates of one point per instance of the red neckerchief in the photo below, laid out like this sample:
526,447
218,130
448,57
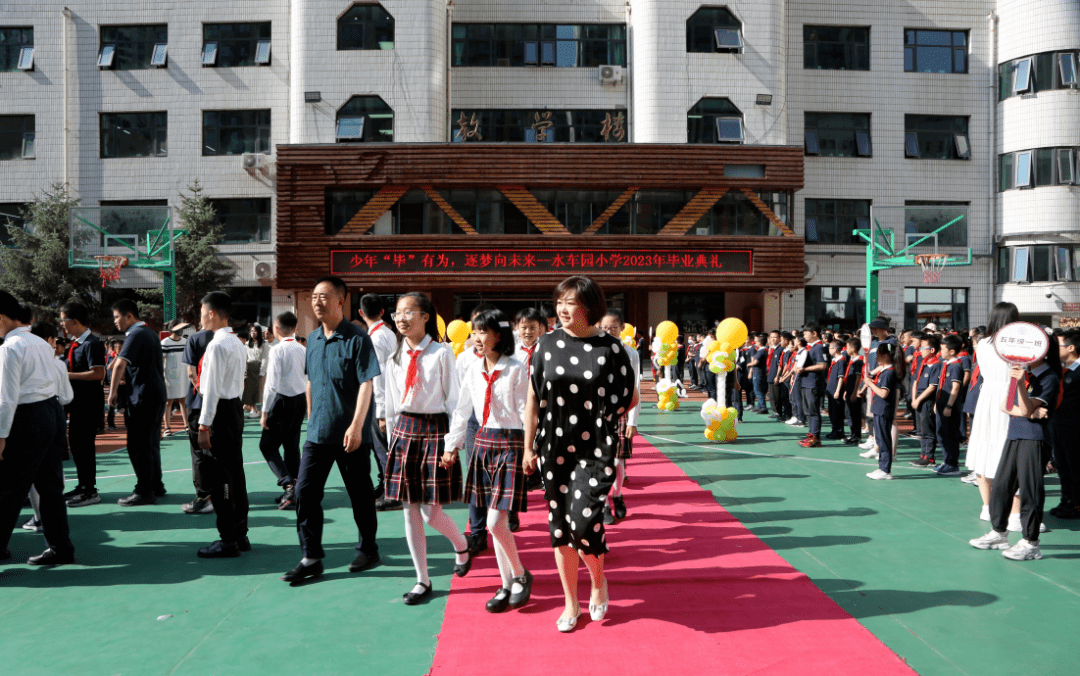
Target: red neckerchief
71,354
926,362
854,360
412,372
974,377
877,379
828,376
944,372
490,379
917,364
529,351
768,362
288,340
377,326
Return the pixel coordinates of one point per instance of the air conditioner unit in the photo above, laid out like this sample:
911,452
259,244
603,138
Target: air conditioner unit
611,74
810,270
263,269
254,160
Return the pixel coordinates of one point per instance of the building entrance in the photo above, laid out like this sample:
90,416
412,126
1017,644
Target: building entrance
695,312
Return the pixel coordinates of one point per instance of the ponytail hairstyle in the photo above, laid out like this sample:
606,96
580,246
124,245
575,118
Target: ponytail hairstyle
431,326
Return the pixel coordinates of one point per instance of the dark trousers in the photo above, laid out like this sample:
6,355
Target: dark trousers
33,456
710,384
355,469
202,488
477,514
143,421
760,389
795,397
1021,466
784,399
1067,460
379,447
927,428
774,397
948,435
883,423
855,412
223,470
836,414
692,367
82,437
735,396
283,423
748,390
811,406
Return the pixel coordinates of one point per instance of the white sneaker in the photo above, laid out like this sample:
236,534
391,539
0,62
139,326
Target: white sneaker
868,444
970,479
792,421
1014,524
984,515
992,540
1023,551
1043,528
872,453
878,475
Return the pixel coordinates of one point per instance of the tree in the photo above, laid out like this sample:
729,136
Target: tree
35,267
198,268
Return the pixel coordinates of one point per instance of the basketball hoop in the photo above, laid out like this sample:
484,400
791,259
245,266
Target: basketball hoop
109,267
932,265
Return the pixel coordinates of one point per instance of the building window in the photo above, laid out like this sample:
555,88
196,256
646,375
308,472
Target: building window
538,126
836,48
714,120
579,209
367,26
929,51
837,134
251,304
132,47
1037,73
841,308
16,48
936,137
923,218
831,221
230,45
735,214
947,308
16,137
12,217
243,221
714,29
134,135
364,118
342,205
234,132
1037,263
518,45
1037,168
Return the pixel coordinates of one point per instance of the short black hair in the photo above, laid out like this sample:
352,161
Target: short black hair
529,314
286,320
219,302
884,351
812,328
77,311
1070,337
480,308
44,330
587,292
371,304
126,306
953,342
855,343
333,280
548,311
933,342
496,321
9,305
614,312
837,343
918,335
784,335
761,338
26,314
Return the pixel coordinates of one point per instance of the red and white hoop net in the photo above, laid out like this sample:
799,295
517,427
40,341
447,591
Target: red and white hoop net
932,265
109,268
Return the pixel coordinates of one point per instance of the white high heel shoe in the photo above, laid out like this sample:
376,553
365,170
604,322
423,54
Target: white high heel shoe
598,610
567,624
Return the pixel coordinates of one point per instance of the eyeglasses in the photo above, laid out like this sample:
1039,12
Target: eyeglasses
609,329
404,316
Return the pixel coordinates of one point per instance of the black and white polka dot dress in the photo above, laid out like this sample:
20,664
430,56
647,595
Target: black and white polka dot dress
583,386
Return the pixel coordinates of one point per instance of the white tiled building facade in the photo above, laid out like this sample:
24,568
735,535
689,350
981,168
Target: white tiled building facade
881,86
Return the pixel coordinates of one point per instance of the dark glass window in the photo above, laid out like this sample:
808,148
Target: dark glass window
518,45
1005,172
1037,168
243,221
838,134
1038,73
365,27
937,137
12,216
234,44
713,29
947,308
831,221
930,51
365,118
836,47
652,209
735,214
16,137
12,42
840,308
538,126
134,134
133,45
234,132
923,218
714,120
579,209
342,205
416,214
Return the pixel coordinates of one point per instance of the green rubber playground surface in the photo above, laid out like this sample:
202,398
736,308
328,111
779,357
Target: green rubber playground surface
892,554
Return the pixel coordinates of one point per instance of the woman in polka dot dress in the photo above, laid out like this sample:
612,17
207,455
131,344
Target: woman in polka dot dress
582,382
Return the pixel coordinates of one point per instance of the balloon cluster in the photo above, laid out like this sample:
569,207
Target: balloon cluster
629,336
668,399
720,353
720,422
458,332
664,345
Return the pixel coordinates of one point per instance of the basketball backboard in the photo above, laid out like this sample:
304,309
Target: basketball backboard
143,234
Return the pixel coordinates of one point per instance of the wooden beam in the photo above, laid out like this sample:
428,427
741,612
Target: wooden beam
527,203
692,212
764,209
378,205
449,210
603,218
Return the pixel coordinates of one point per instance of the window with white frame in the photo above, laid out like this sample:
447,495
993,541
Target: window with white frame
1022,77
936,137
1037,263
714,29
837,134
1038,168
364,118
235,132
1023,170
236,44
714,120
16,48
1037,73
133,47
16,137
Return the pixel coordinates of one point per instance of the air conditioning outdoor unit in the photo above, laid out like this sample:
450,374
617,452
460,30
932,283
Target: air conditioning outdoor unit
810,270
254,160
263,270
611,74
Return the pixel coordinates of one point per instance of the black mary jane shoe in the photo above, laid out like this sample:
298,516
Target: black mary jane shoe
518,600
412,598
462,569
499,602
302,572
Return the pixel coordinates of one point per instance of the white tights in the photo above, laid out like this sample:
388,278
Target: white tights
620,477
416,515
506,554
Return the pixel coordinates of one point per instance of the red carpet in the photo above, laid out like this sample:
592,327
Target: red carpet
692,592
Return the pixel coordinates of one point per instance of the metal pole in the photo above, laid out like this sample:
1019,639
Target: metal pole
168,294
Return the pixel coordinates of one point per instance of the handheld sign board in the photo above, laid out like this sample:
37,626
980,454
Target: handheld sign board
1020,344
865,337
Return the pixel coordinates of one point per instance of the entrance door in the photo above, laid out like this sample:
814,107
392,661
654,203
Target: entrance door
695,312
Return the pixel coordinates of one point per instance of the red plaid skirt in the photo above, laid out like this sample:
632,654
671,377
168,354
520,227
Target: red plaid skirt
624,448
413,473
495,479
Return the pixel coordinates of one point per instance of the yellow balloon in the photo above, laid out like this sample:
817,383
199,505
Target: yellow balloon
458,348
670,405
668,332
628,331
660,405
715,425
731,435
709,434
731,411
724,414
732,331
457,331
442,327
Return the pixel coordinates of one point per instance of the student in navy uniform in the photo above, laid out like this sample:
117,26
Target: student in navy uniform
759,375
949,404
911,352
884,390
283,407
86,369
853,374
1027,451
834,388
31,434
924,398
879,329
1065,427
783,388
141,357
193,354
772,366
813,373
911,377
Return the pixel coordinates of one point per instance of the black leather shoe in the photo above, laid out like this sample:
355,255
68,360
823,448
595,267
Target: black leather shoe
302,572
243,544
384,504
220,550
515,522
499,602
160,492
5,555
136,500
853,441
411,599
363,562
51,557
835,436
462,569
477,543
518,600
609,516
619,507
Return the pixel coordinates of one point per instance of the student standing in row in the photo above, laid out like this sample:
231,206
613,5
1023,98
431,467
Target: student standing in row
834,388
924,397
852,378
1065,427
283,408
884,391
949,405
86,370
193,355
812,372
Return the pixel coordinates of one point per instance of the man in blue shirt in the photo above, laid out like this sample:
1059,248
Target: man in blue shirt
141,357
341,364
812,372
